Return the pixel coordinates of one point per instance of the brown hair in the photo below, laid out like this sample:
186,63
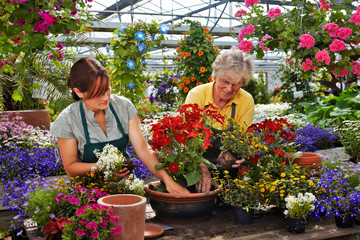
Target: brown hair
88,75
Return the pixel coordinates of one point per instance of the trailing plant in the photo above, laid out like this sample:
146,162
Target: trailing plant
131,45
310,33
194,57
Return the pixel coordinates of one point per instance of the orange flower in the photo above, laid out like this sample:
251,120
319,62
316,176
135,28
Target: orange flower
200,53
208,37
210,79
194,48
187,82
186,90
193,79
188,54
184,79
202,69
217,50
173,80
206,30
198,83
181,85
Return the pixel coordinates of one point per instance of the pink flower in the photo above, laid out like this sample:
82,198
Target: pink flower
262,46
306,41
246,31
273,12
80,212
67,32
250,3
80,232
356,68
355,18
343,73
103,224
337,45
308,64
266,37
332,29
241,12
323,55
95,234
344,33
113,231
245,45
324,5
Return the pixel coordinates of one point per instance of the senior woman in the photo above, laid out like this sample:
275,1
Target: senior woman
231,71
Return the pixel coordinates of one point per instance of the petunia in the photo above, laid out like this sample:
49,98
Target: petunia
130,63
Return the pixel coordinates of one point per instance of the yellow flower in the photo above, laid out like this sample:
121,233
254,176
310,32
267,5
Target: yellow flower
282,175
262,190
302,176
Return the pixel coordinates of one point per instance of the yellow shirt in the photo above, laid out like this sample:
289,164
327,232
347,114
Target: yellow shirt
244,113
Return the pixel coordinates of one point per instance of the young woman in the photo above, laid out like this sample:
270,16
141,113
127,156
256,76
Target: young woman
98,118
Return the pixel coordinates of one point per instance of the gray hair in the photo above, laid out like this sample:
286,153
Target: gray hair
235,64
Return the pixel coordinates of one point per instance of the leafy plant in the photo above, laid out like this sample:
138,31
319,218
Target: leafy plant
309,33
131,45
258,89
299,206
181,141
194,57
350,139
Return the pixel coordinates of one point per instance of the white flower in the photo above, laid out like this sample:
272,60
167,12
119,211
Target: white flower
110,160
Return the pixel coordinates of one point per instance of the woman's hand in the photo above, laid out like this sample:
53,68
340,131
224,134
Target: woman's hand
238,163
173,187
122,173
205,180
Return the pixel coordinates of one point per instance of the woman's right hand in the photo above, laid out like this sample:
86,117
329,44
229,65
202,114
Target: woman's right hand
173,187
122,173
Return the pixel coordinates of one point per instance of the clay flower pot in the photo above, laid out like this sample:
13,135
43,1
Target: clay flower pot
131,209
180,208
307,160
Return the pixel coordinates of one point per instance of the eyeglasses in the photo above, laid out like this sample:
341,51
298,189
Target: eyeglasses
226,83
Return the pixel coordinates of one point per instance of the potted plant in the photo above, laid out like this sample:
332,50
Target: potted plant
350,138
180,142
298,208
241,193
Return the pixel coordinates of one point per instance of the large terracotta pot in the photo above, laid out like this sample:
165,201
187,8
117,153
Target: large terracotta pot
37,117
179,208
307,160
131,210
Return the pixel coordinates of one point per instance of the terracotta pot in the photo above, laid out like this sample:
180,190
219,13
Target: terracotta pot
131,209
307,160
37,117
180,208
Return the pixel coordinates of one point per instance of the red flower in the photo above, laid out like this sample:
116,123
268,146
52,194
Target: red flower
173,167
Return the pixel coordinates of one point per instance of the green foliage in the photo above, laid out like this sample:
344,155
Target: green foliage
350,139
305,17
29,28
194,57
41,204
164,89
258,89
334,110
127,69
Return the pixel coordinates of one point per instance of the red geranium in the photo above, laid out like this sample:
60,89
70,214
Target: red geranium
181,141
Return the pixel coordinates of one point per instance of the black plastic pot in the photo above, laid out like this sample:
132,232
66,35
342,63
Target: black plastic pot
242,216
344,221
295,225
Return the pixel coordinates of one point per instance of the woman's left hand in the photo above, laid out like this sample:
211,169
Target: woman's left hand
122,173
238,163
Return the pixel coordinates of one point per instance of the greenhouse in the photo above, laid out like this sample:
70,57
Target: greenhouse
152,119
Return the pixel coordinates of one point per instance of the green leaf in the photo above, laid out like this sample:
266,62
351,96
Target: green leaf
192,177
17,96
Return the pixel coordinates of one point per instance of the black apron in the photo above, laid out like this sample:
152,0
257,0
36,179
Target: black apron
213,152
121,143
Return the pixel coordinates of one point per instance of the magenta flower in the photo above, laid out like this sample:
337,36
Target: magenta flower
332,29
262,46
250,3
356,68
323,55
246,31
80,212
245,46
355,18
266,37
80,232
89,226
274,12
308,65
344,33
343,73
241,12
95,234
73,201
337,45
306,41
324,5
